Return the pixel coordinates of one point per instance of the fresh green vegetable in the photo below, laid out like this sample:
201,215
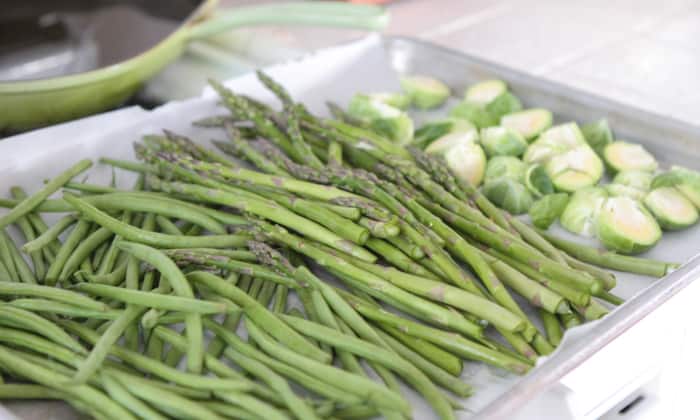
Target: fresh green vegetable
494,97
385,119
547,209
670,208
529,122
508,194
640,180
537,180
624,156
505,167
685,180
598,135
425,92
581,213
624,225
502,141
568,159
475,113
462,155
619,190
395,99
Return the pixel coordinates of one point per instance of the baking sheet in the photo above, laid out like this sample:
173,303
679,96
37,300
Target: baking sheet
333,74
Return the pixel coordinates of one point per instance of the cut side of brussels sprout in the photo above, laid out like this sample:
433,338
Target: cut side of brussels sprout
467,162
686,180
425,92
671,208
640,180
568,159
620,190
598,135
395,99
506,167
508,194
530,122
485,92
385,119
506,103
625,226
624,156
581,212
475,113
451,140
548,209
502,141
537,181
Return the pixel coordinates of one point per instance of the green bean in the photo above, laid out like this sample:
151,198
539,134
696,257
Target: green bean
167,226
135,234
29,203
29,392
366,389
216,366
8,261
4,274
161,398
131,333
442,358
261,408
123,397
72,311
85,393
83,251
102,347
51,235
238,346
24,272
74,238
29,321
27,230
231,412
280,303
380,355
155,300
193,322
51,293
271,323
156,368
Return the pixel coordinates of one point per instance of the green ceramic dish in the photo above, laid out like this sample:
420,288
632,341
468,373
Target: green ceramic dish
35,103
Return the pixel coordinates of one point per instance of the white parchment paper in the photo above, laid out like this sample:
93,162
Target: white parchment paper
332,74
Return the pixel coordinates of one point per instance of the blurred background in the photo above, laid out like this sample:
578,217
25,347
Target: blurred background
642,52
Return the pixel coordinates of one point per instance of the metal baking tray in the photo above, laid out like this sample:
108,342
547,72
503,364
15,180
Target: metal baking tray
672,141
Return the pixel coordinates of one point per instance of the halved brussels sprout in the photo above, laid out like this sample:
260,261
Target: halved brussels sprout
395,99
385,119
547,209
493,96
581,212
624,156
620,190
640,180
537,181
433,130
624,225
506,167
467,162
568,159
475,113
597,134
670,207
485,92
425,92
685,180
461,133
530,122
508,194
502,141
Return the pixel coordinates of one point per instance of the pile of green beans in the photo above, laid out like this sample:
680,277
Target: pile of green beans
197,292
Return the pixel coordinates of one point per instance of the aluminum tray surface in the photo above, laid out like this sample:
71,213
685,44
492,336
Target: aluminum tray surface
373,65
